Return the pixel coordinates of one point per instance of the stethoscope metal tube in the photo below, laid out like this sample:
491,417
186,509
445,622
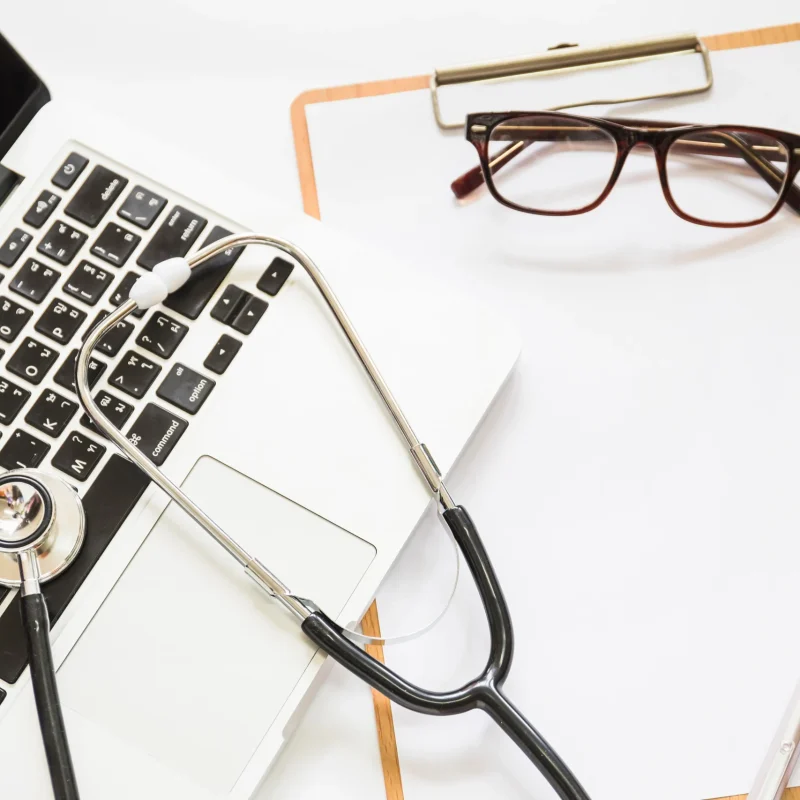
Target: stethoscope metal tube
484,692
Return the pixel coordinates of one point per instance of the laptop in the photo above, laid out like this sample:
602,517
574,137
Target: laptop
179,677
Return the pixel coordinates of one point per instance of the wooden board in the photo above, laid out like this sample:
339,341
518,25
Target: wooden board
387,740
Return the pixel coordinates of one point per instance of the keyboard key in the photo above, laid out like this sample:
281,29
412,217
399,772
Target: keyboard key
69,171
116,411
78,456
252,311
32,360
13,317
194,295
176,235
185,388
112,342
65,375
275,276
134,374
40,211
142,206
161,335
96,196
51,413
115,244
88,282
60,321
12,399
115,491
156,432
23,450
225,350
120,294
13,247
230,304
62,242
34,280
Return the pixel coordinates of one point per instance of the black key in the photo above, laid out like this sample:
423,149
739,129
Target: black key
230,304
225,350
68,172
115,491
185,388
112,342
12,399
252,311
156,432
115,244
40,211
65,375
88,282
116,411
161,335
62,242
275,276
78,456
34,280
142,206
96,196
176,235
194,295
2,691
120,294
60,321
51,413
12,248
32,360
134,374
23,450
13,317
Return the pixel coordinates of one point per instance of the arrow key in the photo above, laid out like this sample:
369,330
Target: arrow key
51,413
252,311
230,304
225,350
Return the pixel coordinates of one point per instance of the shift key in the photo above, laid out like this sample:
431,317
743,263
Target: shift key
176,235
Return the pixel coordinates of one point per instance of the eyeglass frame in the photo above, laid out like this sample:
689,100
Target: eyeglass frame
627,134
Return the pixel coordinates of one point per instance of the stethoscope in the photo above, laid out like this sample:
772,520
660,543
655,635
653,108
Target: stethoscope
483,692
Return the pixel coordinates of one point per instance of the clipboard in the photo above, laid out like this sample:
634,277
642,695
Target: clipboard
778,34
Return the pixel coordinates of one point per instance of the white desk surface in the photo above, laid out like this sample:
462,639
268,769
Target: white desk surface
163,60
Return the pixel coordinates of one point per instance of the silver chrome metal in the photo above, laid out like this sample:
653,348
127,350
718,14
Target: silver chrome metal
570,57
254,569
61,536
28,573
23,512
775,771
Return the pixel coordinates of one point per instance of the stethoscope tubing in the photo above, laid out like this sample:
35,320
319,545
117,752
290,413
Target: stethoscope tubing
484,692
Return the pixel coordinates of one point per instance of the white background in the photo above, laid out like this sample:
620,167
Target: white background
218,78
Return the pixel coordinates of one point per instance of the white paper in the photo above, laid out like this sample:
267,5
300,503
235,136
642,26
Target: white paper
641,504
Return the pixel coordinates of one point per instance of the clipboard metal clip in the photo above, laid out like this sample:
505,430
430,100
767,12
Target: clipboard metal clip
571,57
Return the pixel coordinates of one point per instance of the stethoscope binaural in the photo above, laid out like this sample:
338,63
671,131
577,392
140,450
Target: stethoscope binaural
485,691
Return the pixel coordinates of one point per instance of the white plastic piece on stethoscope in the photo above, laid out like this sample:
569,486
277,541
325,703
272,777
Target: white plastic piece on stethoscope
148,291
174,272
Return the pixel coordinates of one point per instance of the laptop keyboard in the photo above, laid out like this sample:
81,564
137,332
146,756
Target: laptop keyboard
75,253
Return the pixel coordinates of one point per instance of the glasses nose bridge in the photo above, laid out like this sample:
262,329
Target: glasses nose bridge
646,137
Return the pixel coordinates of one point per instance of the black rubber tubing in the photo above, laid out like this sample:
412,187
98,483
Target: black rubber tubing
48,706
482,693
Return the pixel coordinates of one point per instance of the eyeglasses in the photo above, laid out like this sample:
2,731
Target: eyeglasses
559,164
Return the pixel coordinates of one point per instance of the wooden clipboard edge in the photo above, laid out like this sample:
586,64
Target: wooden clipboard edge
776,34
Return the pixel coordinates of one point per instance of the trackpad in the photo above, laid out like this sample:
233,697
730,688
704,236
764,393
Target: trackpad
187,659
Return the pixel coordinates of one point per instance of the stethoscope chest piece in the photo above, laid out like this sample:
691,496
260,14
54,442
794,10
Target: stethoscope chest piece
40,514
